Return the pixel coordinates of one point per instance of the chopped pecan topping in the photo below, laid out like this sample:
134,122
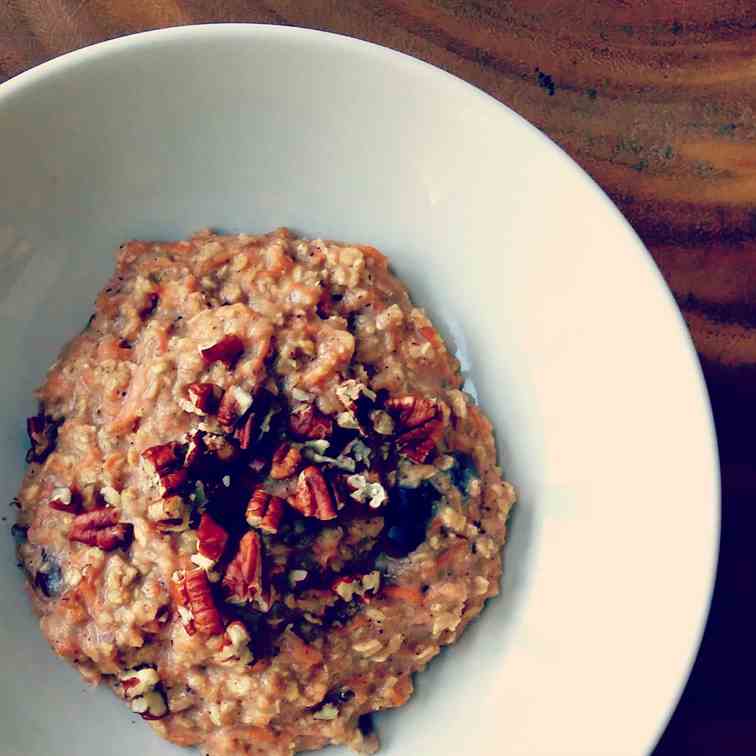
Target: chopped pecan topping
180,596
173,481
220,447
382,422
243,580
169,514
195,449
166,462
419,442
137,682
163,457
243,434
234,405
43,433
205,397
365,489
227,350
235,644
412,411
313,497
347,586
286,461
309,422
101,528
265,511
205,614
211,538
350,391
65,500
150,706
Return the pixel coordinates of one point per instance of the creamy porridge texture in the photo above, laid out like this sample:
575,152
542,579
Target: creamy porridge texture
257,499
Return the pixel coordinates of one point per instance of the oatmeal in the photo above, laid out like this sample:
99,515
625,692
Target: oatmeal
257,499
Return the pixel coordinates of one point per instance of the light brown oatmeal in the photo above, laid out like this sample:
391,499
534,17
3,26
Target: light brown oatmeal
258,500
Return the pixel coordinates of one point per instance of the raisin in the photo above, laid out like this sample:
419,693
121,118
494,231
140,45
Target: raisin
407,516
463,472
50,582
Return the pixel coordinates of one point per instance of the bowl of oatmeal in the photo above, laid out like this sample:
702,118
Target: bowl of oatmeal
270,477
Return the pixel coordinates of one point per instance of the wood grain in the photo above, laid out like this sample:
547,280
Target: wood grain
656,101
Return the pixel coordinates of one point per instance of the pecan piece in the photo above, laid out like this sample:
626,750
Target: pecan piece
195,449
313,497
243,434
137,682
43,433
309,422
233,406
211,538
220,448
170,514
286,461
206,617
150,706
243,580
65,500
265,511
418,442
173,481
101,528
163,457
204,396
347,587
412,411
227,350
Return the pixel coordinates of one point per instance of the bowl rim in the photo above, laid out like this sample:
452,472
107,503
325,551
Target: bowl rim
70,61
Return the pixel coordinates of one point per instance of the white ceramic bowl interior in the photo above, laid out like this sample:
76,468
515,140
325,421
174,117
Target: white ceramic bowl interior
575,347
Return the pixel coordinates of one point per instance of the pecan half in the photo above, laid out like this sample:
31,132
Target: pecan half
207,618
101,528
65,500
265,511
227,350
412,411
419,442
313,497
43,433
243,580
233,406
286,461
204,396
211,538
309,422
166,461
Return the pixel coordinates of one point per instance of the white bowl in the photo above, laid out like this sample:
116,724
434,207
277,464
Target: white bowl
566,328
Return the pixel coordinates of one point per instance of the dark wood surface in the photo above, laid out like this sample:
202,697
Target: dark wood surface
656,99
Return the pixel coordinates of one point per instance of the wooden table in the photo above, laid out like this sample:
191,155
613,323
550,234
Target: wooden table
656,99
